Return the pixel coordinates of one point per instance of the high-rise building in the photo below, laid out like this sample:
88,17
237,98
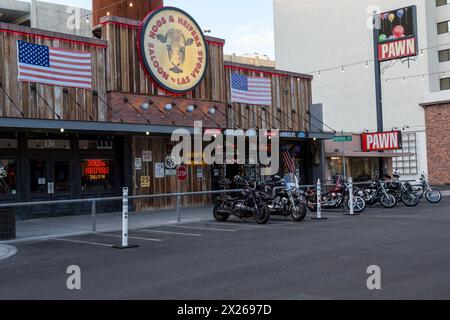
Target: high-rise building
333,41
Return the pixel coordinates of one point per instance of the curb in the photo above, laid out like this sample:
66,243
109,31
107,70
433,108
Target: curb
7,251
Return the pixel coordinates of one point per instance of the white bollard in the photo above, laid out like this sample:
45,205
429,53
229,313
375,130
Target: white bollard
350,197
350,194
125,244
319,202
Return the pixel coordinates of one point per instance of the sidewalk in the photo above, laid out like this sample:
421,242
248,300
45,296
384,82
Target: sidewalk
40,229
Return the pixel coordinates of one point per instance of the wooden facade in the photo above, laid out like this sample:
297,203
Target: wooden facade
122,83
39,101
137,10
291,100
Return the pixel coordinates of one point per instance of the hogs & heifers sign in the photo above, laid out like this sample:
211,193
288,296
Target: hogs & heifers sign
398,34
173,49
381,141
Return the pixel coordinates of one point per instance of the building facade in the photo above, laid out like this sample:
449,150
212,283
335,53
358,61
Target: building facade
338,50
61,142
47,16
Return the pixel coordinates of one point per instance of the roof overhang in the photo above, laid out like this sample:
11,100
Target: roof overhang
360,154
8,124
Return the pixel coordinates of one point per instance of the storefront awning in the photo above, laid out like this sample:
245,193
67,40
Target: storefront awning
87,126
360,154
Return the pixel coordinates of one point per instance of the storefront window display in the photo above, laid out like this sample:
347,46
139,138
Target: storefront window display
8,177
97,174
362,169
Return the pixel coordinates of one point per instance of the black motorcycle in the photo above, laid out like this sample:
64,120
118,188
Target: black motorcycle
377,193
403,193
283,200
245,204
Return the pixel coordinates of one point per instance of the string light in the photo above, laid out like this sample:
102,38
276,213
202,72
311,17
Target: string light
342,70
367,64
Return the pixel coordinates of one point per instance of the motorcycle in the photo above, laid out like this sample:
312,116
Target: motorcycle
377,193
245,204
338,197
404,193
424,189
282,199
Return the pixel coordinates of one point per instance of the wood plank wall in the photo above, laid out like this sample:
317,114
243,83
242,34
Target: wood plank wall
161,147
76,104
125,73
291,96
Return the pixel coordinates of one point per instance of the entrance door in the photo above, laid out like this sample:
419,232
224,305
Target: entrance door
50,178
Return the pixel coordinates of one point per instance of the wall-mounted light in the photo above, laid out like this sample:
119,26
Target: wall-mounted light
147,133
191,108
212,110
145,106
168,107
61,130
131,4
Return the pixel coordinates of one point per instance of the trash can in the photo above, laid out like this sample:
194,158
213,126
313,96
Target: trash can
7,223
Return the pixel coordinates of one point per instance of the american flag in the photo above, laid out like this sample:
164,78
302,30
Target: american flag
288,161
251,90
59,67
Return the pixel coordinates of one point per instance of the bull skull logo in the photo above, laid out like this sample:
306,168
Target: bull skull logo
176,44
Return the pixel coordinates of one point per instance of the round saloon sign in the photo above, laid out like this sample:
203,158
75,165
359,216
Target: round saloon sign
173,49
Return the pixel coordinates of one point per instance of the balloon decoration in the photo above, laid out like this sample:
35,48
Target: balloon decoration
391,17
400,14
382,38
398,31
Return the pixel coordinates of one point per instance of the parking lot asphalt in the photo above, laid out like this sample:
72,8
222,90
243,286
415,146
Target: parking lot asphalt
242,260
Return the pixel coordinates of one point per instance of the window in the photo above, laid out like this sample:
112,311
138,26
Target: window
95,144
48,144
8,180
443,27
407,165
97,175
8,144
440,3
445,83
444,55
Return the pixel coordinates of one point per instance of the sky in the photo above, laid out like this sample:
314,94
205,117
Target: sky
246,25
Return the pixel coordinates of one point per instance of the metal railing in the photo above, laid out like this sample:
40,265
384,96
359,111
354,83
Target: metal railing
94,201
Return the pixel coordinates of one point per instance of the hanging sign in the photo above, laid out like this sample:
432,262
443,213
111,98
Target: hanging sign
159,170
397,36
381,141
147,156
173,49
137,163
145,182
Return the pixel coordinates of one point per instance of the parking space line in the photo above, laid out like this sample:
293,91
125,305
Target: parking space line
84,242
235,224
201,228
170,232
120,236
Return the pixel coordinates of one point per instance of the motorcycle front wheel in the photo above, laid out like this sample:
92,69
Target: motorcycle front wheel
219,216
388,201
263,214
299,214
359,204
433,196
410,199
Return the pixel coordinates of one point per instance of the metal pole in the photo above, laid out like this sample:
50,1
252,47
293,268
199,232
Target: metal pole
178,209
378,91
94,213
125,244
